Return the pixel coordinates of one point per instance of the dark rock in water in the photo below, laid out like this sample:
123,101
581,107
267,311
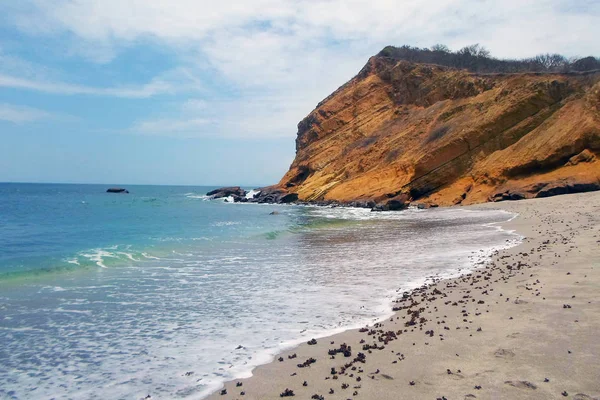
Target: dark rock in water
361,204
398,202
234,191
270,196
273,196
274,213
239,199
117,190
392,205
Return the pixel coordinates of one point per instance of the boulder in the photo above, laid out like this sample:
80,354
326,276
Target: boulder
394,203
288,198
116,190
423,206
567,187
269,196
584,156
508,195
397,205
274,195
362,204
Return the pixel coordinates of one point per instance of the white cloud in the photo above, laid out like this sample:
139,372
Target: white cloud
283,56
195,105
170,83
67,88
186,128
122,23
260,117
21,114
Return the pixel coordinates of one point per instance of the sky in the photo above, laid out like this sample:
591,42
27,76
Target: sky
197,92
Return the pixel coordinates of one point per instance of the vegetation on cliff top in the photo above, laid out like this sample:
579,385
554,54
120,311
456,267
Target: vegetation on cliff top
476,58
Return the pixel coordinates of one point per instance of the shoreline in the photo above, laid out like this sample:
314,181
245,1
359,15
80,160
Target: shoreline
272,379
267,356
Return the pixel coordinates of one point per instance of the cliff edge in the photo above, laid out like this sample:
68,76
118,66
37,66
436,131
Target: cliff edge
406,131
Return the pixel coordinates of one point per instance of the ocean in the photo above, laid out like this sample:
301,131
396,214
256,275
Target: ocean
164,292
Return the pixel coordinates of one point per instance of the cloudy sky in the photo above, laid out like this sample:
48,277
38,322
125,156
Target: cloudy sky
210,92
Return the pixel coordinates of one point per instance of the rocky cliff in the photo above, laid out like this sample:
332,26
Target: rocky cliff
403,131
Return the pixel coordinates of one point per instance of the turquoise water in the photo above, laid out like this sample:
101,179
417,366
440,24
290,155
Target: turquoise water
163,292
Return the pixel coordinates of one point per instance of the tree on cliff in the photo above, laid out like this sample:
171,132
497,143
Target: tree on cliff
474,50
440,47
477,58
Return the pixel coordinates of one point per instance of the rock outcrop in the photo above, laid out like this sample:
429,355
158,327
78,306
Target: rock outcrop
401,131
273,194
270,194
234,191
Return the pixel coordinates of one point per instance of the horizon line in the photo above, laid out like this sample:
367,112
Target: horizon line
129,184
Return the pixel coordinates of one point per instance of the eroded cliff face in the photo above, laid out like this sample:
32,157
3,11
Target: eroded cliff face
434,134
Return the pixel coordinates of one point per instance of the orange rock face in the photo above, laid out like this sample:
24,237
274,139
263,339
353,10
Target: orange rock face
434,134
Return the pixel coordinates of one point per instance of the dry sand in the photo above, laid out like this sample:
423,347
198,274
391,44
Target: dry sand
527,326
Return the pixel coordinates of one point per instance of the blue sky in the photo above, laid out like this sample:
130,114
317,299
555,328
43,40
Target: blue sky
199,92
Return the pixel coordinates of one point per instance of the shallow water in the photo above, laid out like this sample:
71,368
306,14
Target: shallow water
162,292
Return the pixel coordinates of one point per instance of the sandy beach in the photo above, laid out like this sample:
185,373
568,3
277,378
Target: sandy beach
525,326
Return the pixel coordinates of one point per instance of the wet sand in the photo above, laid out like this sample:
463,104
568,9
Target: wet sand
526,326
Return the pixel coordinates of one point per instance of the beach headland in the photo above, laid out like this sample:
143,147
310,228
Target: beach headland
524,326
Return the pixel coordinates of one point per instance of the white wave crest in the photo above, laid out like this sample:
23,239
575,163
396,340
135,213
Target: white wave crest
198,196
225,223
148,256
98,255
128,255
252,193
